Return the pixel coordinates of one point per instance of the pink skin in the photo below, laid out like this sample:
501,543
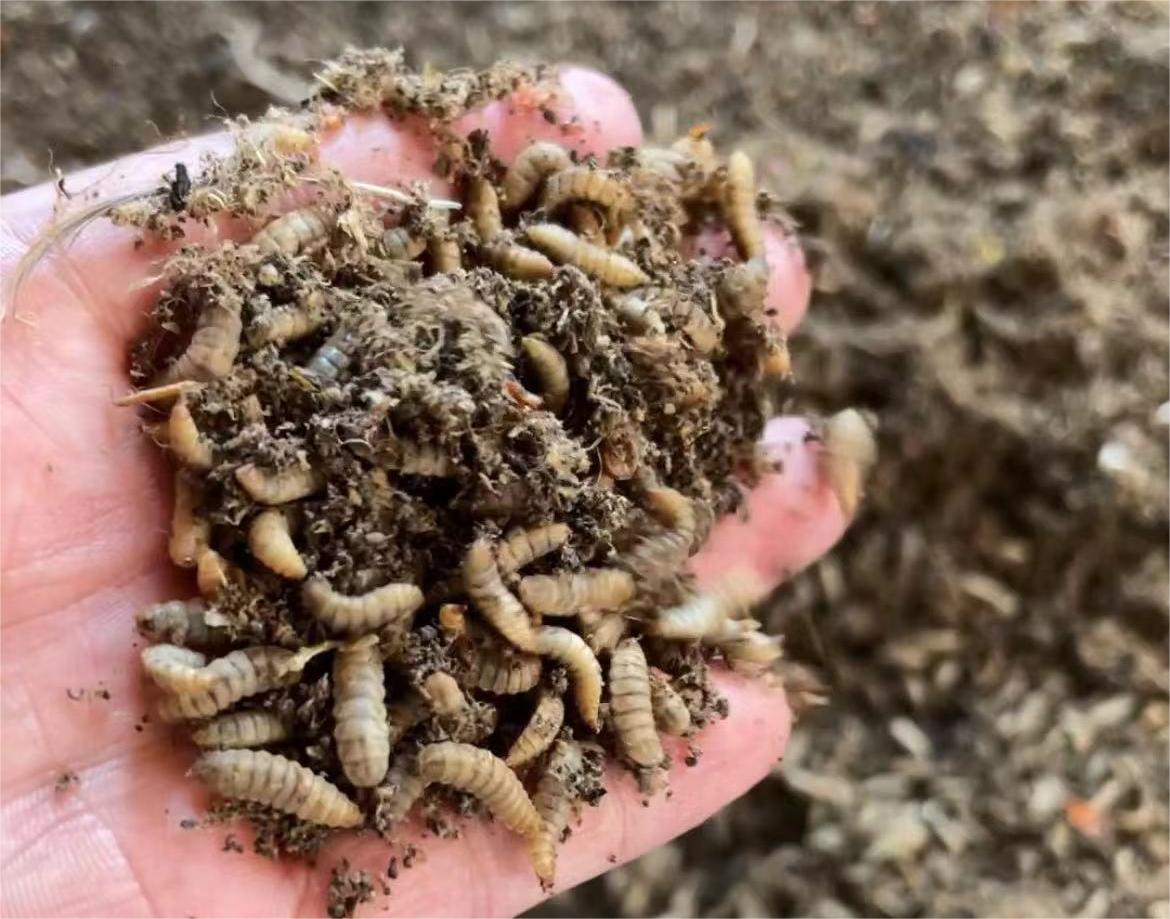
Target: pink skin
83,531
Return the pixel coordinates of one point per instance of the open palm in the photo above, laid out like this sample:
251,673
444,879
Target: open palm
84,522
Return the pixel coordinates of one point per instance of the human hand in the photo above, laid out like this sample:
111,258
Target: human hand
83,530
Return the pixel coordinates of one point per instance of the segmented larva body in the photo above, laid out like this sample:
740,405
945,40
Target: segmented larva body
175,669
505,672
497,604
332,358
519,262
704,613
739,206
569,649
751,651
602,631
360,725
279,783
566,247
417,459
554,804
241,730
298,231
569,592
522,547
670,549
580,183
630,707
281,486
271,542
399,790
551,371
183,437
850,451
539,733
443,692
532,165
181,622
484,205
214,345
671,714
212,572
446,255
400,244
237,675
477,772
288,323
190,532
364,613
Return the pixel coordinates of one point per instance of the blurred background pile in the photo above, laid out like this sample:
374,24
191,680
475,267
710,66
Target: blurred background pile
983,189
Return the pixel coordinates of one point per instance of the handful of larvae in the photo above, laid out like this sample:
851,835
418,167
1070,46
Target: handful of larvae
446,474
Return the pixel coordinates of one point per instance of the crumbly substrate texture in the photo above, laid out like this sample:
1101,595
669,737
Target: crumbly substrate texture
436,467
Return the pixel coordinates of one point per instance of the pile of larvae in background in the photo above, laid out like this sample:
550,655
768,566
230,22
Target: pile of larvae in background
440,467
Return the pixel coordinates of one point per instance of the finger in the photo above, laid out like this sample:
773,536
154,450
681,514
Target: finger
486,871
789,282
589,114
790,518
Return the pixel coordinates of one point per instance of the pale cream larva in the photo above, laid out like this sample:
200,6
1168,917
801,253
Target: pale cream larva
189,623
671,714
521,547
564,246
190,531
270,540
477,772
176,669
398,791
849,452
554,803
190,447
505,671
359,712
551,371
481,578
540,731
569,649
244,729
665,552
279,486
238,675
739,206
569,592
359,615
214,344
517,261
705,612
630,706
443,692
297,231
532,166
279,783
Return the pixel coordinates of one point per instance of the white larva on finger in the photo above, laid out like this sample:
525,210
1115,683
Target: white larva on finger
183,437
477,772
298,231
849,452
630,706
